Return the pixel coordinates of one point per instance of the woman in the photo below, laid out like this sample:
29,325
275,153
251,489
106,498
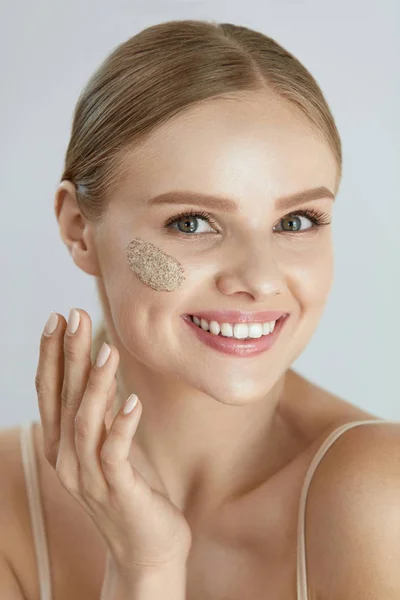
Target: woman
198,189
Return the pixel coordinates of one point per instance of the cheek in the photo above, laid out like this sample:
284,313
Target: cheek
145,328
139,313
314,278
153,267
134,306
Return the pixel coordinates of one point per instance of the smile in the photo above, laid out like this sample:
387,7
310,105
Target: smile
237,330
237,339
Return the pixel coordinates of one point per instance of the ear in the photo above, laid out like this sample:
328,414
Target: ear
76,231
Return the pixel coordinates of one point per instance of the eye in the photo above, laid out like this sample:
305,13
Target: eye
293,220
293,223
188,222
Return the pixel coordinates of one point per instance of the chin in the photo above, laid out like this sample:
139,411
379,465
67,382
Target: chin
239,390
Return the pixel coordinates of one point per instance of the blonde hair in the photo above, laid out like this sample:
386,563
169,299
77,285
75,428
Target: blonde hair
158,73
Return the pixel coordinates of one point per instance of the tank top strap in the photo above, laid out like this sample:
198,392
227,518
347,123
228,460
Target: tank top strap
302,592
35,509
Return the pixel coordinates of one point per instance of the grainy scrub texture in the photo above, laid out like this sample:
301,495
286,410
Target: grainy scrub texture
154,267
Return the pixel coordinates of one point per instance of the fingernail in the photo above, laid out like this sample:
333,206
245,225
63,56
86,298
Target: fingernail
103,354
51,323
130,404
73,320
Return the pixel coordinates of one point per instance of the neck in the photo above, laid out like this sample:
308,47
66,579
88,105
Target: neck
205,453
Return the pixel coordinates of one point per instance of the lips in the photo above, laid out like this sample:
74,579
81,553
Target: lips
237,347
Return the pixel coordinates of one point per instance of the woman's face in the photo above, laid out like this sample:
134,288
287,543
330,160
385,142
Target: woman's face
252,152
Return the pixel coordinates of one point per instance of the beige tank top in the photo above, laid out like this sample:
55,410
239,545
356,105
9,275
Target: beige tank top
39,531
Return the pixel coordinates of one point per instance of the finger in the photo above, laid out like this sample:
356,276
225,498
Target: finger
90,430
111,402
48,383
77,366
114,455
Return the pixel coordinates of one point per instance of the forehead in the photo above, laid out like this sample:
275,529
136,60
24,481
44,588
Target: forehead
237,147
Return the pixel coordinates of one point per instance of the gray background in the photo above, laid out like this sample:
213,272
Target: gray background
48,51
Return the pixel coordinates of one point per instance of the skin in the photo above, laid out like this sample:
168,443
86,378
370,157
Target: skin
155,268
214,427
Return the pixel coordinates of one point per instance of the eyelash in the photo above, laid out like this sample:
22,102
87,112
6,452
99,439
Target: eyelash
318,218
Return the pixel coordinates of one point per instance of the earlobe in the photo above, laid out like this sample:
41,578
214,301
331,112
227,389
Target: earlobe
85,257
75,230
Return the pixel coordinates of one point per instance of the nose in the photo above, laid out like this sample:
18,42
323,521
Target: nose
252,271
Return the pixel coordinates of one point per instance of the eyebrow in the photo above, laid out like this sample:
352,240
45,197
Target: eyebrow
228,205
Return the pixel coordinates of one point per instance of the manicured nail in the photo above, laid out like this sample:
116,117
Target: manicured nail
103,354
51,323
73,320
130,404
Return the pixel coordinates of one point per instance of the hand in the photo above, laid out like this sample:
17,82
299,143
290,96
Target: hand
142,528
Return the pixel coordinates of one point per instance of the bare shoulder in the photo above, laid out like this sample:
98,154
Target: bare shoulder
361,454
9,583
15,540
73,542
10,448
12,489
353,516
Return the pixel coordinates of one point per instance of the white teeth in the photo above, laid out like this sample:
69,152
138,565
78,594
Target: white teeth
227,329
238,330
204,324
268,327
215,327
241,331
255,330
